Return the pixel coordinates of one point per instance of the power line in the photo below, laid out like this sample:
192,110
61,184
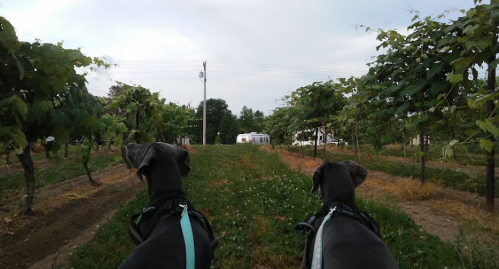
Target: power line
162,61
156,64
256,74
244,65
218,71
283,66
293,72
144,72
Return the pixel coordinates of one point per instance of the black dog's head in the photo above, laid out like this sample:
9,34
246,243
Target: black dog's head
337,181
144,156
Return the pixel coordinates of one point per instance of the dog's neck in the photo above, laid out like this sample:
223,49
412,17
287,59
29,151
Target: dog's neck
350,201
166,186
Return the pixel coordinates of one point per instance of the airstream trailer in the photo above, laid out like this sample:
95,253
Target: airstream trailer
253,138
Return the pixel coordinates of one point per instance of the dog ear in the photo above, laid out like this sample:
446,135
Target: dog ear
147,157
317,178
184,162
357,172
316,181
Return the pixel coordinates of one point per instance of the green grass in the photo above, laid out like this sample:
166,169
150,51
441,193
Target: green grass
253,202
13,183
446,177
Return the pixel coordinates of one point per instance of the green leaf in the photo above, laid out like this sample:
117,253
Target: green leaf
438,87
21,107
401,110
454,78
488,126
121,128
118,141
19,137
45,105
462,63
434,70
4,130
486,144
411,90
482,99
108,135
471,13
416,119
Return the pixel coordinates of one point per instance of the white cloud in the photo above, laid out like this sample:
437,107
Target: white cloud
257,51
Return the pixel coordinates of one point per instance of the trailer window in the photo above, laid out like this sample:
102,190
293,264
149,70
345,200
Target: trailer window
243,139
261,139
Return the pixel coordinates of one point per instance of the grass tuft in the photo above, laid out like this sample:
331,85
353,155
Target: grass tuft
408,189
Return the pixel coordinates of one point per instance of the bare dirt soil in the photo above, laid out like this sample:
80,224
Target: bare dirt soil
67,214
440,215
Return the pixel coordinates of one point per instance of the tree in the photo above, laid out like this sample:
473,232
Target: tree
36,82
277,125
216,109
410,81
259,121
229,128
317,104
175,120
136,103
246,120
476,36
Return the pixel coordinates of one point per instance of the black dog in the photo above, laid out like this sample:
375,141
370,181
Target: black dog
158,236
350,239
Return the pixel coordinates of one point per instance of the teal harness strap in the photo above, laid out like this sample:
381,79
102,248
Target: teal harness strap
317,257
185,224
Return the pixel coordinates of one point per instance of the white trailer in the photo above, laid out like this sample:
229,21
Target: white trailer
301,138
253,138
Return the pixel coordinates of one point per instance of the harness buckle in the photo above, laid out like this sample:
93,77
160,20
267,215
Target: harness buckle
332,210
184,207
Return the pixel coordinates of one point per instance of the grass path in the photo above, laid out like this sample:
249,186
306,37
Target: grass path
253,201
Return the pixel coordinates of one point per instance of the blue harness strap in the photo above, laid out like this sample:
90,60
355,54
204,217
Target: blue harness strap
190,253
317,257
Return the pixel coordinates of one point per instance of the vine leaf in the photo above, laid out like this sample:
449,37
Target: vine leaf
486,144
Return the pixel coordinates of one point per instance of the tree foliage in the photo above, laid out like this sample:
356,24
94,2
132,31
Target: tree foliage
43,93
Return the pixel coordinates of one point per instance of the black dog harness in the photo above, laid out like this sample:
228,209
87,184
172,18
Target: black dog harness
341,209
172,207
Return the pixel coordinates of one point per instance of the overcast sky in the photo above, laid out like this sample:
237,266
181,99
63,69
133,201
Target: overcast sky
257,50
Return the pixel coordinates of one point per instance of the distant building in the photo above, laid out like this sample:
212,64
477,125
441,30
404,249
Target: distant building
307,137
253,138
415,141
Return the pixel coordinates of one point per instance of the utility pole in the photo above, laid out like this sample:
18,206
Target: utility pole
204,104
